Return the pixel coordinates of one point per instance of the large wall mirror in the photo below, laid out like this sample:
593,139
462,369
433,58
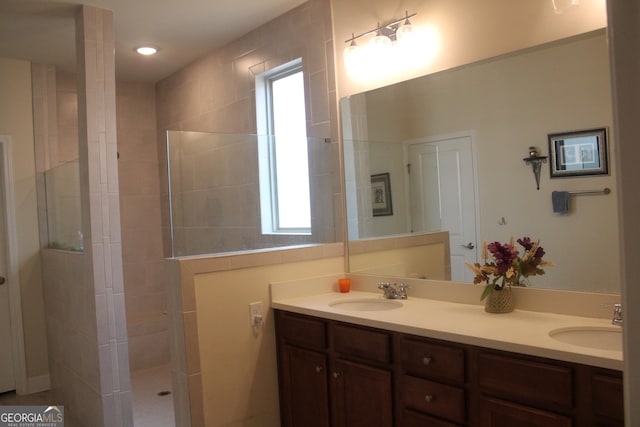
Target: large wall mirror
453,143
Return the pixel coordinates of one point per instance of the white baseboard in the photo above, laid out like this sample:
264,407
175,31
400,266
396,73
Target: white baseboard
38,384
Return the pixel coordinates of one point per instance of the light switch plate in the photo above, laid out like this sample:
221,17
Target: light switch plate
255,313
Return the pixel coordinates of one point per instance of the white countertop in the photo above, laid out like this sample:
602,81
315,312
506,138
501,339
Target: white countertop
520,331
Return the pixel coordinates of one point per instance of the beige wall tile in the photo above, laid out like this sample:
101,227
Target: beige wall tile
151,349
191,342
196,404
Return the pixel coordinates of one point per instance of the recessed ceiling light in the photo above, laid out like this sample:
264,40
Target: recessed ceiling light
146,50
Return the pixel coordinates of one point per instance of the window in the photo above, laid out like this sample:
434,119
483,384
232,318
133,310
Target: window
283,157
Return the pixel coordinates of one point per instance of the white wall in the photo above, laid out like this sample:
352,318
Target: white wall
16,120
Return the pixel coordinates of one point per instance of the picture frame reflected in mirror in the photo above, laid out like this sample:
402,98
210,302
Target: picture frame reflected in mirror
579,153
381,194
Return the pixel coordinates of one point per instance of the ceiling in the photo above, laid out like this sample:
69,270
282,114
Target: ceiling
43,30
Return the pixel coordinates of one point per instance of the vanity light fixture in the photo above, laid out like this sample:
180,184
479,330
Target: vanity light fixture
388,30
536,162
391,47
146,50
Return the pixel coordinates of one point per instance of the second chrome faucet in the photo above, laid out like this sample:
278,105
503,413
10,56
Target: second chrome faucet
617,314
394,291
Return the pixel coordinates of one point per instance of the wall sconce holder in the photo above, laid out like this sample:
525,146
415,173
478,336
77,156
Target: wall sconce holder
536,162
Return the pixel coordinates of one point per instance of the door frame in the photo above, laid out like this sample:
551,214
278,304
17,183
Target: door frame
13,266
471,134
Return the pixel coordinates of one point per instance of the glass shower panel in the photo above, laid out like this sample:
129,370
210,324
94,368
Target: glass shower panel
214,184
64,219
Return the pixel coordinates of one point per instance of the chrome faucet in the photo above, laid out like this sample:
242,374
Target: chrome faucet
394,291
617,314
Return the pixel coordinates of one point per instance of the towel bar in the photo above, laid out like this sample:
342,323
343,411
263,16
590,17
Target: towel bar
605,190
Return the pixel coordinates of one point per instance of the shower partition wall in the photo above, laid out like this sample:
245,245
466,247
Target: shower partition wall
214,194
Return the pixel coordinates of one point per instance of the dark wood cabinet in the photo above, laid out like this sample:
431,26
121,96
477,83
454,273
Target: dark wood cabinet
345,381
342,375
306,395
432,382
433,398
417,419
500,413
362,395
529,382
607,397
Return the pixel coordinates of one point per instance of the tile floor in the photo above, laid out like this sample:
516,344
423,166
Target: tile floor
149,408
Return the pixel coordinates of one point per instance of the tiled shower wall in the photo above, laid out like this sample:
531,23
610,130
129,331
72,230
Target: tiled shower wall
217,94
144,283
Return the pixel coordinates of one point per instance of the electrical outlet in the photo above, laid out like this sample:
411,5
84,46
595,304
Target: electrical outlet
255,313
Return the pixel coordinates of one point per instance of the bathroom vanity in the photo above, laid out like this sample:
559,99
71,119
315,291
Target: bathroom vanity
387,366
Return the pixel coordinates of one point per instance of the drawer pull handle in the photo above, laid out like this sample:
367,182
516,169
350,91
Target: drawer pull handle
337,375
319,369
426,361
428,398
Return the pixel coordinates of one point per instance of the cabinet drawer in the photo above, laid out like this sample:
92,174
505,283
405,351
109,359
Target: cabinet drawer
365,344
498,413
416,419
434,398
607,397
526,380
301,330
432,360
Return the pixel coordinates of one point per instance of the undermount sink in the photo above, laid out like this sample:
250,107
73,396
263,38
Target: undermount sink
366,304
602,338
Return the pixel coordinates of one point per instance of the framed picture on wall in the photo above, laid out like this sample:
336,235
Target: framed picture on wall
579,153
381,194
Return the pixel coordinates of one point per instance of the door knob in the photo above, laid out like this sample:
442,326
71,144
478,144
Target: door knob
469,245
2,280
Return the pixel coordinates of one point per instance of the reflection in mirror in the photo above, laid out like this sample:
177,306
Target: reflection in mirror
474,124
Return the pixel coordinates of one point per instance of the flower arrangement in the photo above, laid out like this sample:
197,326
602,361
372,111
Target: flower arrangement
505,267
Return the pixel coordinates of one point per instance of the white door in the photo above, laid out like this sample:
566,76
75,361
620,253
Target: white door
443,196
7,378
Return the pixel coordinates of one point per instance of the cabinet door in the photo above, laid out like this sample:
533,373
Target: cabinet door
499,413
305,397
362,396
607,398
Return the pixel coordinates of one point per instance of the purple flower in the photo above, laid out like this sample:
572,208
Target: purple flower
526,243
503,254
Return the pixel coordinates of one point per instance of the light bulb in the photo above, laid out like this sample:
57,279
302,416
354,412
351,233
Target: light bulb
146,50
380,42
352,58
560,6
405,31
